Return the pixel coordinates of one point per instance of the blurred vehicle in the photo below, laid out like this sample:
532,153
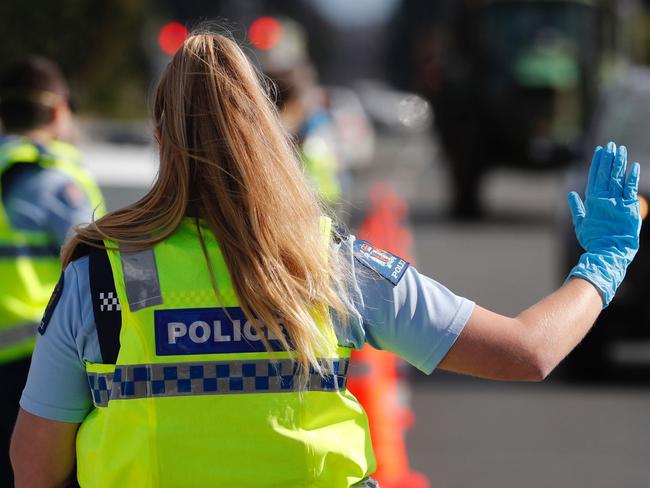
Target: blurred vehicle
394,110
511,82
621,336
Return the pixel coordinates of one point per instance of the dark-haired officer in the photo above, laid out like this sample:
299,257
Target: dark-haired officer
44,194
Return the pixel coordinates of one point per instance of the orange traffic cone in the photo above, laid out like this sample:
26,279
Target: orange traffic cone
384,227
374,377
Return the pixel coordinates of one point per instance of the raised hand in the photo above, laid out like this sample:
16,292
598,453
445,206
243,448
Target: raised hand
608,223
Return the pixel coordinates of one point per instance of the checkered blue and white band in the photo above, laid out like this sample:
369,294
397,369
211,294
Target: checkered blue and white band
211,378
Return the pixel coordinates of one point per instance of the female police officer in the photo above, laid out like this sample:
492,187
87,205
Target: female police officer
209,358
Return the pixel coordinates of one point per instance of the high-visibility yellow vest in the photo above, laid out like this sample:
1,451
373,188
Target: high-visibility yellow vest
321,167
195,400
29,261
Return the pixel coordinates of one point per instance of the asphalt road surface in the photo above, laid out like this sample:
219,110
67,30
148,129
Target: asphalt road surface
474,433
478,434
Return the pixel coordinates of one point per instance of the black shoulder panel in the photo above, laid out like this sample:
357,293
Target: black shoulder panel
83,249
51,305
106,305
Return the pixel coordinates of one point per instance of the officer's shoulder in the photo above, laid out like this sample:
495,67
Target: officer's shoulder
53,177
72,282
17,180
63,150
30,178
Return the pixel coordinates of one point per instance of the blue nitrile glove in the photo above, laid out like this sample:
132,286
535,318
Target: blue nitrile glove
608,223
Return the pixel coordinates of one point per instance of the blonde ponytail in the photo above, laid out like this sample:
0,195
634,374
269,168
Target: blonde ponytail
224,153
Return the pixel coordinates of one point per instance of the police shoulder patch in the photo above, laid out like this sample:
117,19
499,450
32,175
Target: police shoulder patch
51,305
382,262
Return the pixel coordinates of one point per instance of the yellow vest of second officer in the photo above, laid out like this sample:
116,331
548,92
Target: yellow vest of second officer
29,260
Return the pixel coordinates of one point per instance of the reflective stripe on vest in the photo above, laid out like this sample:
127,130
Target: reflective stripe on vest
140,278
15,251
211,378
17,334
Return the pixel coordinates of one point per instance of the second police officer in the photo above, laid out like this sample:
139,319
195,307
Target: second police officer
45,193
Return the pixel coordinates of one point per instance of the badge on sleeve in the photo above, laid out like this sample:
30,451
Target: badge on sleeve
51,305
72,195
382,262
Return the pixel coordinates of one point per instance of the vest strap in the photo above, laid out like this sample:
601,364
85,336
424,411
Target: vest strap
34,251
106,305
140,278
129,382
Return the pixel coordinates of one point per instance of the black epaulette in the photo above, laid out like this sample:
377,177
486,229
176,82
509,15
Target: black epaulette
106,305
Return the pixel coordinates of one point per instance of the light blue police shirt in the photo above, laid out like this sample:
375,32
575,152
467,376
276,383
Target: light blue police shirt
43,199
417,319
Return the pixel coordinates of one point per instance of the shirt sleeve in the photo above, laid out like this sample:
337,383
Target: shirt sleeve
57,387
417,318
47,199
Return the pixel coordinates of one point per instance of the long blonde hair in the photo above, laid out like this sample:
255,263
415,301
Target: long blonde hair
224,153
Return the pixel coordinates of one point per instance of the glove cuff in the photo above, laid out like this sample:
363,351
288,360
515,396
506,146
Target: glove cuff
604,272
